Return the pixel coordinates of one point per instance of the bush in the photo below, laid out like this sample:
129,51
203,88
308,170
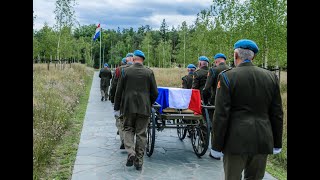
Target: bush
55,95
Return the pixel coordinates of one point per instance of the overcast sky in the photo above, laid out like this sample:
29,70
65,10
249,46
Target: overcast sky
112,14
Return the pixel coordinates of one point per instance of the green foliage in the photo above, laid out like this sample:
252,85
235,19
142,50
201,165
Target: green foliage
215,30
55,95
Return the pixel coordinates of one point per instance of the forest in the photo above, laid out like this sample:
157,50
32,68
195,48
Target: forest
215,30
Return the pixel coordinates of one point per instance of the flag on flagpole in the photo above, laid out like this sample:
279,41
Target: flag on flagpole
97,34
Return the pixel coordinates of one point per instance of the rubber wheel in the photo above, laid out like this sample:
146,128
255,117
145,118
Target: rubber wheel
199,140
181,130
151,133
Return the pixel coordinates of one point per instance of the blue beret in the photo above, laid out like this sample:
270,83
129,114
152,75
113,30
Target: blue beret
139,53
191,66
124,60
129,55
220,55
247,44
106,65
203,58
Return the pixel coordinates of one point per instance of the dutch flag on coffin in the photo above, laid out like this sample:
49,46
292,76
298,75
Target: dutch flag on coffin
97,34
179,98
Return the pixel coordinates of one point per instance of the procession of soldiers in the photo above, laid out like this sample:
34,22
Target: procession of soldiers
246,122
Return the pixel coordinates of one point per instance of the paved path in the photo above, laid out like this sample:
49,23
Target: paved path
99,156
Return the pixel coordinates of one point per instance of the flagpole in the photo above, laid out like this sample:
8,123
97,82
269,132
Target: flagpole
100,45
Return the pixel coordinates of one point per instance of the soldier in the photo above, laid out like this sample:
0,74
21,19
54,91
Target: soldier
248,118
209,90
115,81
187,79
105,75
136,92
119,119
200,75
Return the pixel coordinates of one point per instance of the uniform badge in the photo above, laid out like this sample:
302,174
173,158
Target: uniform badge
218,86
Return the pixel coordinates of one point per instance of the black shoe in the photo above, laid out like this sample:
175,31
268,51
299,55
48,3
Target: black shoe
102,98
122,146
130,159
138,167
213,157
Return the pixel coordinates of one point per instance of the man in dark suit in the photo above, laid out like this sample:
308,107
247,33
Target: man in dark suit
136,92
105,75
187,79
248,117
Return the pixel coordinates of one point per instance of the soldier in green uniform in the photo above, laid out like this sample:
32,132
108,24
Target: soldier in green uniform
200,75
119,119
105,76
248,116
187,79
115,80
209,90
136,92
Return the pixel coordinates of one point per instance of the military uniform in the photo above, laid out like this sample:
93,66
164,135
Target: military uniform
199,79
187,81
209,90
248,118
105,75
135,94
119,120
115,80
114,83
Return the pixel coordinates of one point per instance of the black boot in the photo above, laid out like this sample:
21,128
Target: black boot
122,145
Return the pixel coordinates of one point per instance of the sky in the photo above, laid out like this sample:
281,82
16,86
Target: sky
112,14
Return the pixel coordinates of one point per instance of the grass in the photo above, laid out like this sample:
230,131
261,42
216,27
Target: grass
169,77
56,98
277,164
63,157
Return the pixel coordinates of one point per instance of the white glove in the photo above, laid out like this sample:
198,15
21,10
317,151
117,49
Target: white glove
116,113
216,154
276,150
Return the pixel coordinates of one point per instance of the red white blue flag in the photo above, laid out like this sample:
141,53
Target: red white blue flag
97,34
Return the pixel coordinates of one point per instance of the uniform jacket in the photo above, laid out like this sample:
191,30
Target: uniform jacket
209,90
105,75
137,90
187,81
200,78
248,116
